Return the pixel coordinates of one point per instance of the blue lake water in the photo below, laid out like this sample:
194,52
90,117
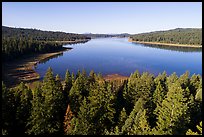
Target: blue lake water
117,55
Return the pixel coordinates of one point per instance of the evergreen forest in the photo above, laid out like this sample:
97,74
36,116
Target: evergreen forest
188,36
17,42
87,104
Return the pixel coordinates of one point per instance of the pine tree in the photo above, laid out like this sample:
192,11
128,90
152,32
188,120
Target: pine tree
67,121
139,106
73,78
198,95
195,81
52,116
8,110
68,82
199,128
102,106
184,80
23,110
91,76
54,103
173,111
122,118
140,86
58,83
37,120
172,79
141,126
115,131
77,93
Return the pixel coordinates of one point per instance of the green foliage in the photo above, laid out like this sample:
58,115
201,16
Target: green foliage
17,42
199,128
23,96
133,118
122,118
50,113
68,82
176,36
77,92
141,125
37,119
139,86
141,105
198,95
8,110
172,111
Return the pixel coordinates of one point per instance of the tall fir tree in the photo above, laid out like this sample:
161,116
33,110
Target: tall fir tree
8,111
172,111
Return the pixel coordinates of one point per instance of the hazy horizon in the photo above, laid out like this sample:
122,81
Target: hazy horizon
97,33
102,17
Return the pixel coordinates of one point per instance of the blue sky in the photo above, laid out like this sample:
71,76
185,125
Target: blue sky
102,17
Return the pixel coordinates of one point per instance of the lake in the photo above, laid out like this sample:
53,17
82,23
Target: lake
117,55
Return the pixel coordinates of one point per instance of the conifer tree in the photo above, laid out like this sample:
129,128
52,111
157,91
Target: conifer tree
23,110
8,110
91,77
67,121
199,128
141,125
158,94
101,106
73,78
122,118
85,127
54,103
68,82
77,92
139,105
195,81
184,80
51,118
172,79
173,110
37,120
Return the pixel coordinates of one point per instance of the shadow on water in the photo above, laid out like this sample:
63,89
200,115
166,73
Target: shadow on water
49,58
172,48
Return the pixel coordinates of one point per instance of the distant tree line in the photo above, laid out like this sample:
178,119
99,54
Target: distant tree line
19,41
143,104
176,36
122,35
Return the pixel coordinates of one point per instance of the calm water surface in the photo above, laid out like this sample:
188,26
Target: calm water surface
117,55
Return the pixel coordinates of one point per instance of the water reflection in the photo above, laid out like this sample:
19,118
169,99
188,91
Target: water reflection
172,48
117,55
43,61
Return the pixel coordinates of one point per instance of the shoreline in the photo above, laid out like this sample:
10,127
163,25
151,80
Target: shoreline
23,70
165,44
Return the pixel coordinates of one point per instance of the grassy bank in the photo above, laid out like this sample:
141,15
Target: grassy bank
166,44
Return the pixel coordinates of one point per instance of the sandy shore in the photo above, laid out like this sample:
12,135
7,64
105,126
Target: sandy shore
22,70
166,44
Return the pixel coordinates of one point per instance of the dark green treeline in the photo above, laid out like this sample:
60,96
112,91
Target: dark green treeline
188,36
87,104
18,41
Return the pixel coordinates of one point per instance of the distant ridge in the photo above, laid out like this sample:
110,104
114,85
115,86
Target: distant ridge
189,36
92,35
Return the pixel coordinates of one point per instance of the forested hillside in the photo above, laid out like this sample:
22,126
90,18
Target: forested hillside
122,35
19,41
87,104
188,36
